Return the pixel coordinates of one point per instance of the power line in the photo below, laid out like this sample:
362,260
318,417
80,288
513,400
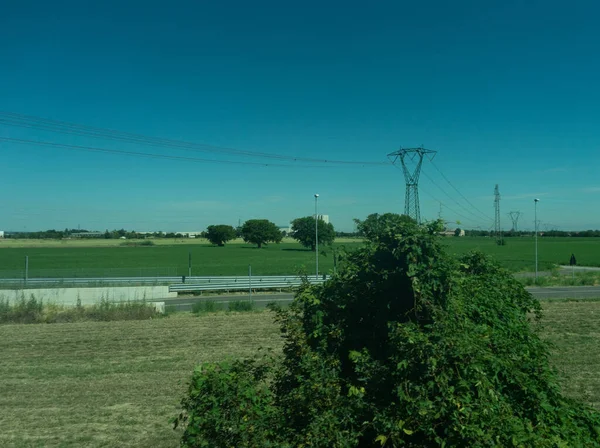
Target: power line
445,205
451,198
456,189
63,127
150,155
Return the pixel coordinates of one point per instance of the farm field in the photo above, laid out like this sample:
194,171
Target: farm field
519,253
77,258
119,383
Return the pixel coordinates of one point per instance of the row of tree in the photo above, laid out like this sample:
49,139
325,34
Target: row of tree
263,231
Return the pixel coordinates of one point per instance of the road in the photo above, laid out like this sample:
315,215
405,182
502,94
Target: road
566,292
185,303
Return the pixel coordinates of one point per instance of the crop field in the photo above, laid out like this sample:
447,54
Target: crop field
98,258
519,253
119,383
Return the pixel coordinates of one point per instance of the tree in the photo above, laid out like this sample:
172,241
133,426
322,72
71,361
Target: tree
260,231
303,230
457,232
220,234
405,347
376,224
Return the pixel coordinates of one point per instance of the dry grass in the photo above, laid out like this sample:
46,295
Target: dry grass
119,383
112,383
573,328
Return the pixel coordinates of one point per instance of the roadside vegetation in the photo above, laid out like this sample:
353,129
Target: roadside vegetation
558,279
30,310
211,306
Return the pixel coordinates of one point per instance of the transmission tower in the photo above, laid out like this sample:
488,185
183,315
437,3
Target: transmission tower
497,229
411,175
515,220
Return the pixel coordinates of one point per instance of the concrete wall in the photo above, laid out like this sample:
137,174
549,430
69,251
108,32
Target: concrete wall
89,296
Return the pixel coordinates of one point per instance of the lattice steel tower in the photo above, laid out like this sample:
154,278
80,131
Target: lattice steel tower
497,230
515,220
411,175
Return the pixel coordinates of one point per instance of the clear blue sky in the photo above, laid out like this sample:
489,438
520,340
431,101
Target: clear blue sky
507,92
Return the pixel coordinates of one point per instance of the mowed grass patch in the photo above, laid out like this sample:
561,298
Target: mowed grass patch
118,383
573,328
112,383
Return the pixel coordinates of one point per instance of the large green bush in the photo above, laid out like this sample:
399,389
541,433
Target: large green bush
405,347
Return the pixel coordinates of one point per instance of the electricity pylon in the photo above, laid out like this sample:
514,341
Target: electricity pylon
411,176
497,227
515,220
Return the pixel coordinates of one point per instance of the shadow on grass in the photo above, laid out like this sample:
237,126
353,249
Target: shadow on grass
298,250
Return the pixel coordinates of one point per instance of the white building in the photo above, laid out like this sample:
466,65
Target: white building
324,218
1,233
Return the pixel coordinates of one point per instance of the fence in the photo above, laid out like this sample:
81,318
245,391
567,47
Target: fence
204,283
199,284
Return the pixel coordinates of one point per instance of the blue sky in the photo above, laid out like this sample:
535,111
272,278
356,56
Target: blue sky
507,92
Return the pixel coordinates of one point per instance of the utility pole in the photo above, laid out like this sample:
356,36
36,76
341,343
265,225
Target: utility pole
411,176
535,202
497,227
316,237
514,216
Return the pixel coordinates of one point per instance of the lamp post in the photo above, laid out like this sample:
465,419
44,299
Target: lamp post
535,201
316,237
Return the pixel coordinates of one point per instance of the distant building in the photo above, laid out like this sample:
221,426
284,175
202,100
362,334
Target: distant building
452,233
1,233
324,218
190,234
287,229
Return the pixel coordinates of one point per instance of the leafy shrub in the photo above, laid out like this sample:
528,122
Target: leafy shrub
406,347
241,305
230,405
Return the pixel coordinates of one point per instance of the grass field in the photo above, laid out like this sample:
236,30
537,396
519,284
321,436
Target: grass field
96,258
118,383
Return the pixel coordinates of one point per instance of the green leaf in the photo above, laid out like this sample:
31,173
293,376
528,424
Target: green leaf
381,439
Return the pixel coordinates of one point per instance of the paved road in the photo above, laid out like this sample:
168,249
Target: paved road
262,300
566,292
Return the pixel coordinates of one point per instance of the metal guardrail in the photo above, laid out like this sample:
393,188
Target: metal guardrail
244,283
197,280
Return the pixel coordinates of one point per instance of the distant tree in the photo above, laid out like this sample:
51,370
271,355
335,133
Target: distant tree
260,231
457,232
220,234
303,230
375,225
238,232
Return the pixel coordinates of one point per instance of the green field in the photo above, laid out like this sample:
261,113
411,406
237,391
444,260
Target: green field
119,383
98,258
519,253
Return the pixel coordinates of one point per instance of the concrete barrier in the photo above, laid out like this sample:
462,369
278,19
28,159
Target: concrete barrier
90,296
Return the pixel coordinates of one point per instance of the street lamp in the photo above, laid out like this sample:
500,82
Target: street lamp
316,237
535,201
